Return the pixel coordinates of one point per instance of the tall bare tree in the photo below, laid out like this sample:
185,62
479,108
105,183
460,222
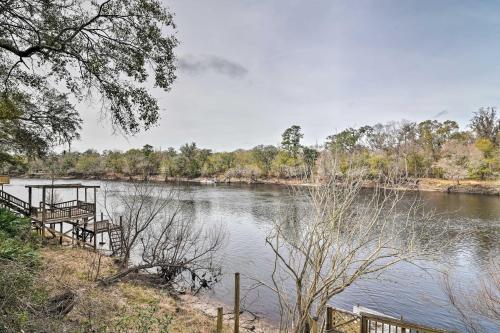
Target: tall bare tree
138,206
337,233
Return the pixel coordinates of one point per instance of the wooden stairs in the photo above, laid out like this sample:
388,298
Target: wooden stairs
115,241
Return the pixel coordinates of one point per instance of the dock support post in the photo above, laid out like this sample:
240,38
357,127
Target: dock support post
236,302
95,220
30,197
44,213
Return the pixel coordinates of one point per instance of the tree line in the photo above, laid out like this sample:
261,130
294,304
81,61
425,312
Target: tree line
427,149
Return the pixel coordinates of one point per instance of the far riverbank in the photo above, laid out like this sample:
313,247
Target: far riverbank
484,187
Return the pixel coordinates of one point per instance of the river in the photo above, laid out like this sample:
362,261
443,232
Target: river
404,290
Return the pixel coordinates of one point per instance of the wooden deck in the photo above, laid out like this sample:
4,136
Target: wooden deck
59,215
100,226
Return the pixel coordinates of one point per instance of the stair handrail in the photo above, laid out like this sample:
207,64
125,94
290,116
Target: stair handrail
15,201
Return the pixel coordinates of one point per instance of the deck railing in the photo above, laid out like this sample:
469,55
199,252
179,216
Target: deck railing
67,209
371,323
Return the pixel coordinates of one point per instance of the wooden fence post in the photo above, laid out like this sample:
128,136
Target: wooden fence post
314,325
364,324
329,318
220,313
236,302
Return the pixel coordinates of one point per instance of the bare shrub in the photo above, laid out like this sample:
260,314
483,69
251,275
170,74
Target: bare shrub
159,229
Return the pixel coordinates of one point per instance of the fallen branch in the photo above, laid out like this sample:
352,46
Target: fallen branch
134,269
61,304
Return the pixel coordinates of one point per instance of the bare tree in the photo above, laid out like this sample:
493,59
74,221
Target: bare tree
485,124
336,233
159,231
140,205
482,300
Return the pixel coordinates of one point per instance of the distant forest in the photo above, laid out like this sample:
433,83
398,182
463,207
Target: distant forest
430,149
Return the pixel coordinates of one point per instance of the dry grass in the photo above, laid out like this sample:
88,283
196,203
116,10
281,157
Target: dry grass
122,307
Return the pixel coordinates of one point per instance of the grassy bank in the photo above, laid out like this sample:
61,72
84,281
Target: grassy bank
45,287
129,306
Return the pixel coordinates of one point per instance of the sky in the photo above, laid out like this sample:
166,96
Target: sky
249,69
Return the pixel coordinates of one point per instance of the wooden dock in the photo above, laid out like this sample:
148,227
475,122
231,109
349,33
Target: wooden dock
79,216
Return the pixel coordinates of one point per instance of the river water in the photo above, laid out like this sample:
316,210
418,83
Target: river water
405,290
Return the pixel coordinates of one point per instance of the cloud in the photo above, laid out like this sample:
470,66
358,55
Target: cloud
216,64
440,114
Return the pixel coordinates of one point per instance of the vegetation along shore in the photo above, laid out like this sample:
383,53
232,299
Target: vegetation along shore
428,156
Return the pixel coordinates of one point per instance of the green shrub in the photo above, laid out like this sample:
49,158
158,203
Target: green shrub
13,226
16,239
19,261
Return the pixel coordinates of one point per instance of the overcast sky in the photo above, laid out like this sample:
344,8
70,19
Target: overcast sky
250,69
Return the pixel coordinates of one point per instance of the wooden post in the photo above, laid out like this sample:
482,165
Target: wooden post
236,302
329,318
314,325
61,231
77,192
44,213
95,219
102,232
364,324
220,313
30,197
